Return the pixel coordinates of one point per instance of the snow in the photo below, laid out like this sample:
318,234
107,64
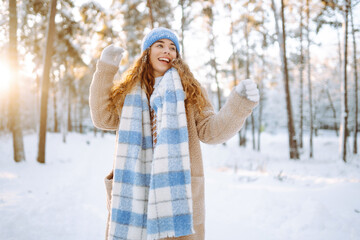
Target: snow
267,197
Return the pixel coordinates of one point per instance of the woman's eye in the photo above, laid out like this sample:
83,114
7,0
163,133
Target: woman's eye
160,45
172,49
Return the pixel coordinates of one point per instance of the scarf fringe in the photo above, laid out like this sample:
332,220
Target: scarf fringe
163,235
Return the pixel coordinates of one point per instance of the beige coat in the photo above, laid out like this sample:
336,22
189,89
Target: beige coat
211,127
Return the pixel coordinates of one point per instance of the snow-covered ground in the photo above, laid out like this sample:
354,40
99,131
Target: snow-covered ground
249,195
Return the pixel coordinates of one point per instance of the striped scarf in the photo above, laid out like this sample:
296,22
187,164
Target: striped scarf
151,196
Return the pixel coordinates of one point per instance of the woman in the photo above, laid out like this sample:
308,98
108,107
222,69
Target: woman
160,113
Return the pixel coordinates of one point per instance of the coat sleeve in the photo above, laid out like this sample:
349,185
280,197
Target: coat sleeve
215,128
99,97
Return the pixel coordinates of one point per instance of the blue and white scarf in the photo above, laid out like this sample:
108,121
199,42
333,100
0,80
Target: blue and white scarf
151,196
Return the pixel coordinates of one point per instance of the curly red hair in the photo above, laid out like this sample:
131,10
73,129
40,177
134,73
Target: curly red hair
142,71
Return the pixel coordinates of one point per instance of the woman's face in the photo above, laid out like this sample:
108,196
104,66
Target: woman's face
162,52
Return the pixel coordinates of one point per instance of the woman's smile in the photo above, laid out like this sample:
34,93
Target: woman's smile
164,60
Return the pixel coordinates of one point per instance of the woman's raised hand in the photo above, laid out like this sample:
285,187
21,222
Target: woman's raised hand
248,88
112,55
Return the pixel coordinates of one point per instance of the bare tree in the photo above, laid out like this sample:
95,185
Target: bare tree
185,21
233,55
301,73
14,113
328,16
149,5
247,30
333,110
53,87
209,13
45,82
293,148
345,110
262,77
242,136
309,78
356,81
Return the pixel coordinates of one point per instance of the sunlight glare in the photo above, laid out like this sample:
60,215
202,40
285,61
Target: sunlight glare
5,77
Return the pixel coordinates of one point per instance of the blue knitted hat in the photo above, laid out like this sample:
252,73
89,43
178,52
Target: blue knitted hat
157,34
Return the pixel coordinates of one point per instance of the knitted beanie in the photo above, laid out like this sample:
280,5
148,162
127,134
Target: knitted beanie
157,34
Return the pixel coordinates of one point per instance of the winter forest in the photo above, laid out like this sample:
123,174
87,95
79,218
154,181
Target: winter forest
292,172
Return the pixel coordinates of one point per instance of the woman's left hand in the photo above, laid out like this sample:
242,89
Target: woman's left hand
248,88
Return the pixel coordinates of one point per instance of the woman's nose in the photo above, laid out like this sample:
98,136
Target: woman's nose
166,50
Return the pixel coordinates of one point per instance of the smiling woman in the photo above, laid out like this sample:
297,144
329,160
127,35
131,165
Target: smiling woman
161,113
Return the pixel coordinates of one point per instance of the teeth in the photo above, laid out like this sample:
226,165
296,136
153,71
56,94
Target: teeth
164,59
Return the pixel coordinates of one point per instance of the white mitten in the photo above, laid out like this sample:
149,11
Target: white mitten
112,55
248,88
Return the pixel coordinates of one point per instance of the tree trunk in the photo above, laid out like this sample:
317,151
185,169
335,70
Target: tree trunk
56,125
294,154
261,87
45,82
333,110
247,76
233,59
81,116
340,76
37,102
260,118
261,90
315,128
213,59
65,107
311,153
356,82
183,22
217,84
14,96
340,56
208,12
253,131
345,110
242,134
301,73
69,123
150,13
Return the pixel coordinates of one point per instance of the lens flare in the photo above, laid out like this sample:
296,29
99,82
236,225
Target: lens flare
5,77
